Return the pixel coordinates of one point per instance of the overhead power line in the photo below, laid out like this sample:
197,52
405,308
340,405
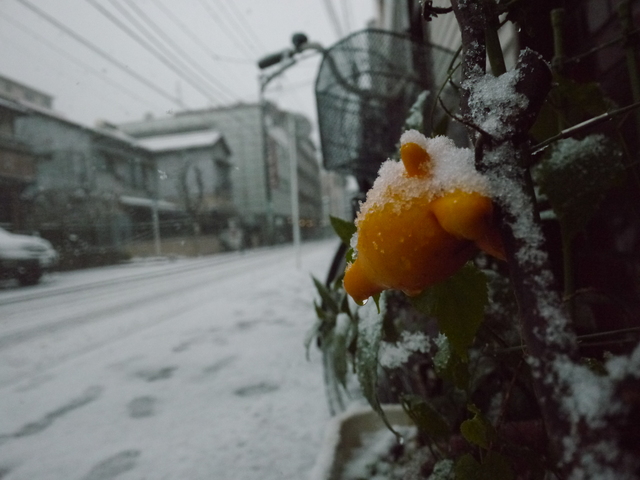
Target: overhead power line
42,14
183,54
346,13
170,63
49,64
189,32
77,61
333,17
236,17
230,32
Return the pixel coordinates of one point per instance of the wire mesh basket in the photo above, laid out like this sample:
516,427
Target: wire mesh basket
366,85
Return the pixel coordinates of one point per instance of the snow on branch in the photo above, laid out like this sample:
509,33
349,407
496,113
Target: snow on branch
580,409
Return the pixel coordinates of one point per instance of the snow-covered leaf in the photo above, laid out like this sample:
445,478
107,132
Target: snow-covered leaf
576,178
449,365
368,344
338,346
415,118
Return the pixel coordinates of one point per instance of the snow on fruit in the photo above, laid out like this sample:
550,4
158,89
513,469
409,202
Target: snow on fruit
422,220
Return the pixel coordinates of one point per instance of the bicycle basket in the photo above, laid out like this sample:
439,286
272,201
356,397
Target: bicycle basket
366,84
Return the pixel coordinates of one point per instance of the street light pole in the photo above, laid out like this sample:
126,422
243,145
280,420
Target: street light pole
295,205
155,216
285,59
264,81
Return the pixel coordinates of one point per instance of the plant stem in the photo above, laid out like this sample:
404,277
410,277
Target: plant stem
557,21
557,63
494,50
631,45
584,126
569,279
624,12
552,348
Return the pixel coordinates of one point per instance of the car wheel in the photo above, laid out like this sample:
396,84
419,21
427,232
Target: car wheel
29,276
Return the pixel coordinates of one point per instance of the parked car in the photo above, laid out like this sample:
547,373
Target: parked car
25,257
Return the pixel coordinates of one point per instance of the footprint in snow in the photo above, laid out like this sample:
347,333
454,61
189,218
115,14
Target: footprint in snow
257,389
114,466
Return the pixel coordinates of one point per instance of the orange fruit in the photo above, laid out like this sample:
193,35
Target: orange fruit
412,232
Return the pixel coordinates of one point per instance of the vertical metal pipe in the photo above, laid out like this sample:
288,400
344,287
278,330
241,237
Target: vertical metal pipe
295,206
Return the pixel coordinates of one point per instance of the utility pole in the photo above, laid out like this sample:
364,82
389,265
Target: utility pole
284,59
295,205
155,215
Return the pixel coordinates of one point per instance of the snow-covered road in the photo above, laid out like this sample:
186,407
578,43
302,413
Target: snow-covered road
192,369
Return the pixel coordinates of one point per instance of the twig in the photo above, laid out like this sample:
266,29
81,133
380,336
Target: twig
610,43
466,123
581,127
448,79
516,348
507,396
429,12
610,332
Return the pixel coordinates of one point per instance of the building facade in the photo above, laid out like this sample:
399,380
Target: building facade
97,189
194,172
82,176
21,93
260,139
17,166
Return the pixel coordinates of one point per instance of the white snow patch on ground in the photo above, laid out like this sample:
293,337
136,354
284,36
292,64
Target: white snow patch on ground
221,390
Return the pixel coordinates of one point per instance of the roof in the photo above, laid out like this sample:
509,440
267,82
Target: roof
181,141
28,108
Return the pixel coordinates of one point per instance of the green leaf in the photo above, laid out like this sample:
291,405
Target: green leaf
310,335
338,346
467,468
576,177
368,345
426,418
478,430
343,229
595,365
415,117
328,300
442,470
458,305
442,127
376,300
322,314
449,365
349,255
344,305
494,467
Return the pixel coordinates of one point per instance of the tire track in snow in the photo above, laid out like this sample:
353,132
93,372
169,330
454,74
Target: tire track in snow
149,296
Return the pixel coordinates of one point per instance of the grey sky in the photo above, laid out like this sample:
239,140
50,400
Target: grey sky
223,38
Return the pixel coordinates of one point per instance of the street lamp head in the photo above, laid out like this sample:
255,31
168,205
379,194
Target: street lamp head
271,59
298,40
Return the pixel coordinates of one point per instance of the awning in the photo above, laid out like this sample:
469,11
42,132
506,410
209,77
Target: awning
149,203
